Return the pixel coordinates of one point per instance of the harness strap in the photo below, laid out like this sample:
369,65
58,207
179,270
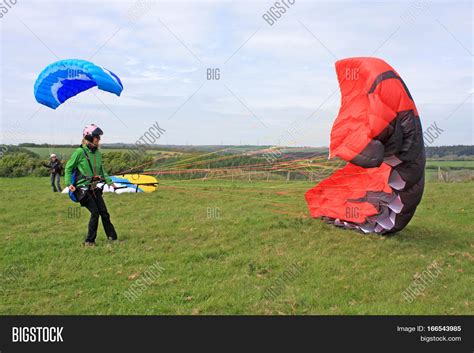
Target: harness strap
93,184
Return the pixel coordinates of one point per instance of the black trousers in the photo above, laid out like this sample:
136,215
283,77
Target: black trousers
94,202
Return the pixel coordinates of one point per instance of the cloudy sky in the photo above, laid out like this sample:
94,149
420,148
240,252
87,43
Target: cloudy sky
277,83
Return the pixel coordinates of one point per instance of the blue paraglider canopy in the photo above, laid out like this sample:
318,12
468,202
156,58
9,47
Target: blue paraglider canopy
66,78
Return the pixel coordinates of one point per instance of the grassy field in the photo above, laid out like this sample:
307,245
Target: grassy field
220,246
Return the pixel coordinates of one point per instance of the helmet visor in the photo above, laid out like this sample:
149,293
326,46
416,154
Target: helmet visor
97,132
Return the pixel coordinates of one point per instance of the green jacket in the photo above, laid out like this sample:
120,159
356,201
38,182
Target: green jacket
79,161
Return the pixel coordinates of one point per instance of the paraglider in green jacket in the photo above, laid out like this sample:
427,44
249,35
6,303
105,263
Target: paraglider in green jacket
79,161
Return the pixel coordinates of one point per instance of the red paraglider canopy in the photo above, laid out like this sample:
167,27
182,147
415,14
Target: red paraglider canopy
335,196
370,100
379,133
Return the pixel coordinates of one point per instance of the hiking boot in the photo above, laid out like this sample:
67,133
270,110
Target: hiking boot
88,244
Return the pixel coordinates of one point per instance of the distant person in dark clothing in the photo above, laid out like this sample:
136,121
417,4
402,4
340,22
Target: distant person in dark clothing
55,167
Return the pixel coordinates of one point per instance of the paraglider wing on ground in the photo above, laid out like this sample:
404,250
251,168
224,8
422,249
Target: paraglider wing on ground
378,131
128,183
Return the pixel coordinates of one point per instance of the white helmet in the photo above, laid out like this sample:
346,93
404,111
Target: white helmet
53,155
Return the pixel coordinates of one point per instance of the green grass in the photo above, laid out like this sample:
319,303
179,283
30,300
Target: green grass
224,265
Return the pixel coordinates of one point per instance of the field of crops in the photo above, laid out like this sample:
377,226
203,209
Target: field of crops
450,164
63,153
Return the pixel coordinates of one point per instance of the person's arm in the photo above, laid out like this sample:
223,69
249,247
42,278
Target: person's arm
71,165
46,165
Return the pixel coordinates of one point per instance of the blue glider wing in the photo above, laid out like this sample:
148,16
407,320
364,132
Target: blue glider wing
66,78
